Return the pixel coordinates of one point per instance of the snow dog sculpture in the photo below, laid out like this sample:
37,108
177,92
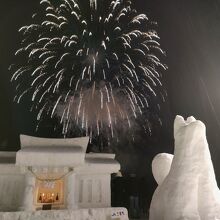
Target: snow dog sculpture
187,188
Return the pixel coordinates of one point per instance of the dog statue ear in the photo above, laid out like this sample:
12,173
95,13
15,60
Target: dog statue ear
190,119
179,122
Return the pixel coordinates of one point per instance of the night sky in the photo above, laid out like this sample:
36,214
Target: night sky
190,33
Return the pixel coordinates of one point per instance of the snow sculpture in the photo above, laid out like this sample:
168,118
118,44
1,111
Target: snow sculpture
161,166
188,191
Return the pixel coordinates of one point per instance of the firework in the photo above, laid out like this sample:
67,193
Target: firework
89,63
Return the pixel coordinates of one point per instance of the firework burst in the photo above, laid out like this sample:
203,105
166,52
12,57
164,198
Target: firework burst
89,63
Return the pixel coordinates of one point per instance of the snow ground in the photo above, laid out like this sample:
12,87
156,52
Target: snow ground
81,214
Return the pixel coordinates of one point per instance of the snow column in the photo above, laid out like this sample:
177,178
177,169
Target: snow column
28,198
71,204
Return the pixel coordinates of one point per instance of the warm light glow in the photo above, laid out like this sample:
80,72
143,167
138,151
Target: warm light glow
49,195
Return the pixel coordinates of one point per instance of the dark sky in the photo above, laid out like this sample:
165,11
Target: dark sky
190,33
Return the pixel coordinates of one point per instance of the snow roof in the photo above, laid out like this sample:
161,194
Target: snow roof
30,141
99,163
51,152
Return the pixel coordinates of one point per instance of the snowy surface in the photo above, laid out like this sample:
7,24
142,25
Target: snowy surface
97,163
50,156
11,183
51,152
81,214
161,166
30,141
189,191
11,191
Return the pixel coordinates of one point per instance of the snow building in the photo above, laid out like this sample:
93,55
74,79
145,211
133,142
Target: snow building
55,174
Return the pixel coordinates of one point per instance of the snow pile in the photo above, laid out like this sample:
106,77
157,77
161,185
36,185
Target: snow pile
187,188
81,214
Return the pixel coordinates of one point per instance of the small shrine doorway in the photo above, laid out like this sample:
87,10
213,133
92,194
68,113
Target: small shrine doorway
49,194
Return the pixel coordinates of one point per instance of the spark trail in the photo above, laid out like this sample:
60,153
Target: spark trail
89,63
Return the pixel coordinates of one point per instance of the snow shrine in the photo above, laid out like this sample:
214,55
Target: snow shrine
187,188
56,174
